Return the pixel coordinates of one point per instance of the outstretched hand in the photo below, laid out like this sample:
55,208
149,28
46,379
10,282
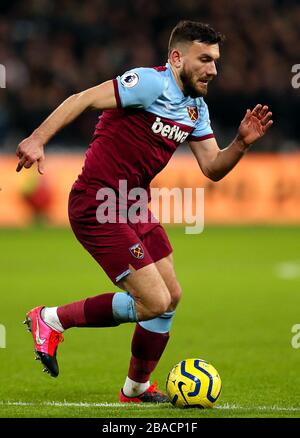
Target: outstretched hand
29,151
255,124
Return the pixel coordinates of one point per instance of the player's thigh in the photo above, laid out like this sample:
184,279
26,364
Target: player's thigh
149,290
125,259
159,247
165,267
118,249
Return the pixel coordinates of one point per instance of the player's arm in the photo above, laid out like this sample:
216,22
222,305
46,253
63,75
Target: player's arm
31,149
214,162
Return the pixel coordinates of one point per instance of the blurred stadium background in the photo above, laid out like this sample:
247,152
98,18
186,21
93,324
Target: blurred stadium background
241,282
52,49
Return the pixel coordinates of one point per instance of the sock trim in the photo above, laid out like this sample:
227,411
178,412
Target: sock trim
123,307
161,324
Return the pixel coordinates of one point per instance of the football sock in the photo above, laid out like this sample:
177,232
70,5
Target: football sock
160,324
123,306
146,348
148,343
49,316
106,310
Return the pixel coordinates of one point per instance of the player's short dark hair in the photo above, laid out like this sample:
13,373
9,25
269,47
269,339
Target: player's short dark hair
189,31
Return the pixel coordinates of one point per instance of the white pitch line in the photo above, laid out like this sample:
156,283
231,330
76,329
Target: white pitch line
77,404
226,407
259,408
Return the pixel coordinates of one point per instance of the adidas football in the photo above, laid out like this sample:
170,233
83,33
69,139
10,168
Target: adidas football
193,383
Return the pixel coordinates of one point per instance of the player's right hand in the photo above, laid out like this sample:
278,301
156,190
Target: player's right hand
29,151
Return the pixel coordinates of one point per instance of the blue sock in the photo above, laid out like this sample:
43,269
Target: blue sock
160,324
123,307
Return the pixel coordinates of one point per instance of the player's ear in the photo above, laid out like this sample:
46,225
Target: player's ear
175,56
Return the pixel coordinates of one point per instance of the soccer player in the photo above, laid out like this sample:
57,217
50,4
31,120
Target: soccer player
147,113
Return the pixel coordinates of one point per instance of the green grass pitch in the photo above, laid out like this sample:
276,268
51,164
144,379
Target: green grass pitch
241,298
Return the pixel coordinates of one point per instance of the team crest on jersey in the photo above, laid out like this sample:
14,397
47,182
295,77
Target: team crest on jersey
193,112
137,251
129,79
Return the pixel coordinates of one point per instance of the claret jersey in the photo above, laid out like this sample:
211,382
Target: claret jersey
135,141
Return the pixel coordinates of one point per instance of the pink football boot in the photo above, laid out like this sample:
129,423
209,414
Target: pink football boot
45,340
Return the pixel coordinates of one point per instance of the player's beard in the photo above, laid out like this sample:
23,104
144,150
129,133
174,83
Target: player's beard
189,87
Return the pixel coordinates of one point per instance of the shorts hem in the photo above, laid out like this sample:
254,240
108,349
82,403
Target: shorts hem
124,274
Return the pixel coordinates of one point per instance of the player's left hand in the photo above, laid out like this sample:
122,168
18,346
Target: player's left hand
255,124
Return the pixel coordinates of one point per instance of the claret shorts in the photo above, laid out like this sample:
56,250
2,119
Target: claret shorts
115,246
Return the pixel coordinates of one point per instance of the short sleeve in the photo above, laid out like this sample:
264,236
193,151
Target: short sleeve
203,129
139,87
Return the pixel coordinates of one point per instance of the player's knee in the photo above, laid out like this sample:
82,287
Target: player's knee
159,306
175,293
